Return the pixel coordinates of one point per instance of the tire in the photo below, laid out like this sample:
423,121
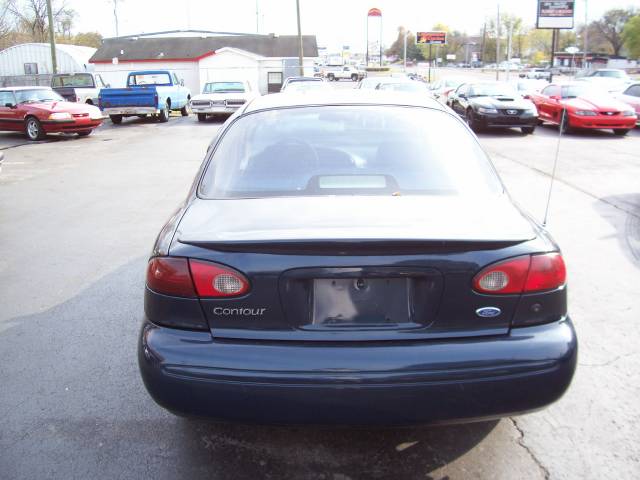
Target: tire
470,120
565,127
621,132
33,129
202,117
86,133
116,119
184,111
331,77
528,130
163,116
354,78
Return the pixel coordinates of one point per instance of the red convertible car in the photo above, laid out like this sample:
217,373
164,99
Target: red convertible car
580,105
37,111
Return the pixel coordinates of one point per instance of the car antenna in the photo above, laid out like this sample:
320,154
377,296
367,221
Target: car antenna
553,171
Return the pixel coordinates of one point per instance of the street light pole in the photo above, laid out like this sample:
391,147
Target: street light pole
405,49
52,38
586,35
498,33
300,53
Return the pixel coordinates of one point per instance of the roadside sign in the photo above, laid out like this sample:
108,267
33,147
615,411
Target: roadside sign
451,56
374,12
431,38
555,14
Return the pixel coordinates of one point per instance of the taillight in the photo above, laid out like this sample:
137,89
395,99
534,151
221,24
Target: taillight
170,276
212,280
528,273
182,277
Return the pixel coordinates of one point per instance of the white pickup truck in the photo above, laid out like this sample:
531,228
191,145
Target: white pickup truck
347,72
78,87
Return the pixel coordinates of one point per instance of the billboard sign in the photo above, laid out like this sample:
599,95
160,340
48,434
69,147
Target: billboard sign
555,14
431,38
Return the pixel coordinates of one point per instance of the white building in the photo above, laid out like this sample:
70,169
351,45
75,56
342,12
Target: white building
200,57
35,59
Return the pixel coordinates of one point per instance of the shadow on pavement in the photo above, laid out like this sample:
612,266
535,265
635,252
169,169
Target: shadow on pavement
628,225
73,399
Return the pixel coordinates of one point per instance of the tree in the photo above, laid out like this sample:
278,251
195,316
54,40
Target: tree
397,47
631,36
5,26
611,26
31,17
88,39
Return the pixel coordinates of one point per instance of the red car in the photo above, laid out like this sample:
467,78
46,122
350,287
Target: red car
631,96
37,111
584,106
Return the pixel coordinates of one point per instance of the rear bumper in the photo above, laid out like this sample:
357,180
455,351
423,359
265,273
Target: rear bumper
130,111
374,383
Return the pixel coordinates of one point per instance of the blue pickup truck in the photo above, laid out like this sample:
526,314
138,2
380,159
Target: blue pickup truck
148,92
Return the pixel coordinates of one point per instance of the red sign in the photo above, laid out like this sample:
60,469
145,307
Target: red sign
431,38
374,12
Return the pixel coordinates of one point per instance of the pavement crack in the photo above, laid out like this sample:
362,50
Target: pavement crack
543,469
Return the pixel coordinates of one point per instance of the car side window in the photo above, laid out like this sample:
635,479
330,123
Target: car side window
462,89
551,90
633,91
7,97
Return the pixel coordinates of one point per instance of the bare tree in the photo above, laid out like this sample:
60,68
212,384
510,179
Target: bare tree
5,25
610,26
31,16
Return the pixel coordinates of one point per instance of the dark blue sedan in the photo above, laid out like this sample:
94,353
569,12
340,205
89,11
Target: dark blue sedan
353,258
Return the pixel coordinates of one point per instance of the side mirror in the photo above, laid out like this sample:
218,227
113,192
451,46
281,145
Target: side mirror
526,96
555,97
10,105
461,95
108,85
182,82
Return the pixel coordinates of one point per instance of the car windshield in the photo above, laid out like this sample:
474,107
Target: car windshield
609,73
348,150
492,90
412,87
77,80
150,79
298,86
224,87
574,91
37,95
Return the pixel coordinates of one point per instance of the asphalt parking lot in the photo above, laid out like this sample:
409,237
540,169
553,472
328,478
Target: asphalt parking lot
78,218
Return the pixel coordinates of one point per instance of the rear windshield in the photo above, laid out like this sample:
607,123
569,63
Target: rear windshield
78,80
348,150
150,79
224,87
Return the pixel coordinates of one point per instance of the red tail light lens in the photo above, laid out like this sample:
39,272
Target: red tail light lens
212,280
528,273
170,276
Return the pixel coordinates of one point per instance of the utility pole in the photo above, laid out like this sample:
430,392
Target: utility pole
257,18
484,39
509,49
406,32
498,33
586,35
52,38
115,16
300,52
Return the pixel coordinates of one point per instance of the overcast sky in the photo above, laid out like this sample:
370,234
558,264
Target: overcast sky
335,22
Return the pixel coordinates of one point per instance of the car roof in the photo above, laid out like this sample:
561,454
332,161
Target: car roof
33,87
342,97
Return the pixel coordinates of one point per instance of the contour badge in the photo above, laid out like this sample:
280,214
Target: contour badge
488,312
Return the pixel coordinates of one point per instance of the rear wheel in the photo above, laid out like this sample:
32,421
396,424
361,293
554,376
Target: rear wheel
163,116
33,129
331,77
621,132
527,130
86,133
564,122
116,119
471,120
354,77
202,117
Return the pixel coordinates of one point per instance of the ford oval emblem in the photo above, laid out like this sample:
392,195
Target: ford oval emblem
488,312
